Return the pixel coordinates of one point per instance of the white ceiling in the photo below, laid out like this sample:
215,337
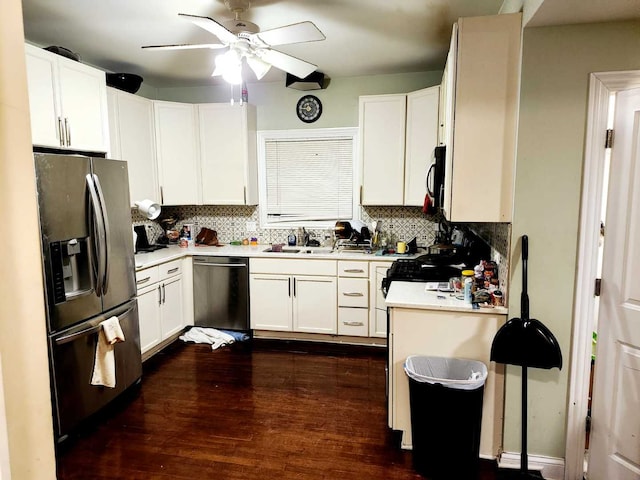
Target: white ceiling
363,37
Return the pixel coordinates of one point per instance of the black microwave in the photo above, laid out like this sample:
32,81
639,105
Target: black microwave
435,178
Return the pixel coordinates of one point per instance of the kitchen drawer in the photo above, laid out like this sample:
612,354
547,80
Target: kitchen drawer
353,292
170,269
353,269
353,321
147,277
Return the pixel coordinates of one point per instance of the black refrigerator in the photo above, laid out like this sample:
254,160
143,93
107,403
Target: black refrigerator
89,276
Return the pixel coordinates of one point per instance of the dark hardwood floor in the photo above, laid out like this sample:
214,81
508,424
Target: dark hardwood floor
256,410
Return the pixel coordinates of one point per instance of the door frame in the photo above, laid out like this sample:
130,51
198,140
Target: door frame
601,86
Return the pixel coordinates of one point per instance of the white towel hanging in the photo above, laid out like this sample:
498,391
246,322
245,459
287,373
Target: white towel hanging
104,367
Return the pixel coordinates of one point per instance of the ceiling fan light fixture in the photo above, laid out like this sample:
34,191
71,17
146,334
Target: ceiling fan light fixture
229,65
259,67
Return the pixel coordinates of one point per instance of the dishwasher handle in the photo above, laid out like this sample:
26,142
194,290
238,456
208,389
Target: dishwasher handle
230,265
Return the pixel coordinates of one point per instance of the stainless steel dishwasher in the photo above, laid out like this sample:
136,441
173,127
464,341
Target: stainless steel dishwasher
221,292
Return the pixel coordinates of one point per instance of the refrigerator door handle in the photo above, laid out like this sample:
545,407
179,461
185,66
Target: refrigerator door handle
88,331
99,232
73,336
107,234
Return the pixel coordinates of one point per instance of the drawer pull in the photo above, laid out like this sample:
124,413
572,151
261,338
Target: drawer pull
173,270
143,280
354,324
353,294
354,270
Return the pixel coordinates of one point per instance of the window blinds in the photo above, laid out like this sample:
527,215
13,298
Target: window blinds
309,179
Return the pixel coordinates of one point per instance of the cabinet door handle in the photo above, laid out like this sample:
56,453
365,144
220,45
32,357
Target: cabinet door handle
161,196
159,295
60,132
354,270
353,294
294,286
289,286
164,294
354,324
143,280
67,129
173,270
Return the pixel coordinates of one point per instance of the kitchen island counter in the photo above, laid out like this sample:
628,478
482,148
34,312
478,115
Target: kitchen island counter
436,324
414,295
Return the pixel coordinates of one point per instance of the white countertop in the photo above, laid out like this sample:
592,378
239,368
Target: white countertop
173,252
414,295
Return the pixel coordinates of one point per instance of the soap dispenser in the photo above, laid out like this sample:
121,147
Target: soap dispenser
291,239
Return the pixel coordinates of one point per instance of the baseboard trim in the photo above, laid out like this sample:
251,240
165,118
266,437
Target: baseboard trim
551,468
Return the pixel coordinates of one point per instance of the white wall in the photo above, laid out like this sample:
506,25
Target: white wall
276,104
25,370
551,138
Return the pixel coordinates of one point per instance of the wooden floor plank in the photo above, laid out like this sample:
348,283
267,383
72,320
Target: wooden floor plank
260,410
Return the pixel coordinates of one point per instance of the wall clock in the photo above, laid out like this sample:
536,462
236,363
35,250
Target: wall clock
309,108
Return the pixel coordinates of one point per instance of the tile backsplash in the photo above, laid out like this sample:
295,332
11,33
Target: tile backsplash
397,223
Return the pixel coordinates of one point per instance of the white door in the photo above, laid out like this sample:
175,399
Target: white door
171,316
315,306
270,302
223,153
177,152
83,95
615,429
149,299
45,114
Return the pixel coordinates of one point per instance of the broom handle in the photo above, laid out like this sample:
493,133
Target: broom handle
524,307
524,296
524,460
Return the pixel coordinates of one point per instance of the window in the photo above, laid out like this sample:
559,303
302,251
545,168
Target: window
307,177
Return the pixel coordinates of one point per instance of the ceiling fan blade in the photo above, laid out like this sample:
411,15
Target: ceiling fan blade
295,33
210,25
285,62
185,46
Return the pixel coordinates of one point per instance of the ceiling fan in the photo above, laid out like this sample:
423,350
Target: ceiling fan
245,40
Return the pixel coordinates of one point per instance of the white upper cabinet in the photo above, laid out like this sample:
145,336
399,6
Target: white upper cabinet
421,140
228,154
177,153
68,102
382,120
133,140
481,97
398,134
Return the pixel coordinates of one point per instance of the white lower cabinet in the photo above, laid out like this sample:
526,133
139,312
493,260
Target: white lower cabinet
377,309
293,295
353,298
160,304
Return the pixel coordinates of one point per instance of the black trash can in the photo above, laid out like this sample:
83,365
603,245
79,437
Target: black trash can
446,413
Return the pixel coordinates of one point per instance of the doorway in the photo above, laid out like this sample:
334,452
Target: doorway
586,311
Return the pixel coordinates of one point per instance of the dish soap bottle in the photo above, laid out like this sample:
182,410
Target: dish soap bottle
291,239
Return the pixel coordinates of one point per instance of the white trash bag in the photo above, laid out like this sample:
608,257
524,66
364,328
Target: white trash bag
456,373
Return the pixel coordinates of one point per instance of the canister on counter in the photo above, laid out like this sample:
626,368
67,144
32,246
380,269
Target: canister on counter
468,284
498,300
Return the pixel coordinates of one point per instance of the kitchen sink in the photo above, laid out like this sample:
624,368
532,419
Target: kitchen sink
316,251
302,250
282,250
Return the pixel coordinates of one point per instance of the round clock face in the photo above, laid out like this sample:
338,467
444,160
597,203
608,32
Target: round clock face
309,108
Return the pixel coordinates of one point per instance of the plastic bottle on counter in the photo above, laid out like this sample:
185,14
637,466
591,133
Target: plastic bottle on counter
467,285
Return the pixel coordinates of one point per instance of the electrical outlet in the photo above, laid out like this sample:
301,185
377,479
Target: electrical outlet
251,226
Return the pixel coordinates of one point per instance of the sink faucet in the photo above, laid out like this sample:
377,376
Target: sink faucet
305,237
